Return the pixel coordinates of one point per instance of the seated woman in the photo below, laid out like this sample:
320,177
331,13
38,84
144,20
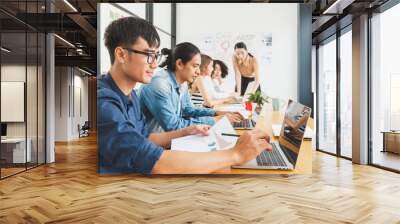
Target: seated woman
165,100
220,71
205,85
197,99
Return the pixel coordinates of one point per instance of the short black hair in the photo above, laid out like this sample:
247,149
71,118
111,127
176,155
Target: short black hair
222,65
125,31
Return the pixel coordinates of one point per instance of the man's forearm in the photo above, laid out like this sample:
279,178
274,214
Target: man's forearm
164,139
194,162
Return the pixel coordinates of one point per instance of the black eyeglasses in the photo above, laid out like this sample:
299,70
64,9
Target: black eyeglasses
151,57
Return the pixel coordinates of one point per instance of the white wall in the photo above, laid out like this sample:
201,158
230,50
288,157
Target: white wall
62,81
162,20
71,93
79,117
162,16
139,9
16,73
225,24
33,127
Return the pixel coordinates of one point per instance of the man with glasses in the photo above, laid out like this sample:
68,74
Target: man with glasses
151,56
124,143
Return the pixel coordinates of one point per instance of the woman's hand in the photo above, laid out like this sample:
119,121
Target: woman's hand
197,130
233,117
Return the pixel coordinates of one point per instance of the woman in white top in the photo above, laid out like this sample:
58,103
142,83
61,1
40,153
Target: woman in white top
220,71
205,85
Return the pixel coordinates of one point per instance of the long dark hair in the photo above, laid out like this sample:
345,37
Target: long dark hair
184,51
242,45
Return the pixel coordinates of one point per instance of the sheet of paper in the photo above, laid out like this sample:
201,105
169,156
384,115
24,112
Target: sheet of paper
214,141
193,143
223,126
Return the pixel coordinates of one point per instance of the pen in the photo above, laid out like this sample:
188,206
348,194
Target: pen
227,134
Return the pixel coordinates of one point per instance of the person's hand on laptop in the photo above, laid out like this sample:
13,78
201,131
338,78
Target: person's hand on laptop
230,99
197,129
250,145
233,117
236,94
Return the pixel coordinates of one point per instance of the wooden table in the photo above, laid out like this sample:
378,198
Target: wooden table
265,121
391,141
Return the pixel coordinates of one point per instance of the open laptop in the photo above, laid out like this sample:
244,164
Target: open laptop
245,124
286,150
248,123
276,130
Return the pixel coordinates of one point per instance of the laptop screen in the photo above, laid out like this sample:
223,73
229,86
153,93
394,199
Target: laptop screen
293,128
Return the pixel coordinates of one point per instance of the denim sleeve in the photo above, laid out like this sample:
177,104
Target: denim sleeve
203,115
120,145
157,98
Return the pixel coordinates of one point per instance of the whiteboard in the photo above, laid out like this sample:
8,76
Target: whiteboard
12,101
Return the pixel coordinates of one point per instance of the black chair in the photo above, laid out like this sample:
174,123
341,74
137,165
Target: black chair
84,130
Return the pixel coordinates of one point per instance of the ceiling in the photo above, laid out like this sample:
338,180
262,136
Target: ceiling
77,25
331,15
76,22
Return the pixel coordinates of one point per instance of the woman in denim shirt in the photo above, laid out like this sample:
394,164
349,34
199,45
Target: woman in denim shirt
166,102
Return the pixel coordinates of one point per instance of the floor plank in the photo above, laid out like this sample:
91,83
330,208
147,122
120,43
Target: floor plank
70,191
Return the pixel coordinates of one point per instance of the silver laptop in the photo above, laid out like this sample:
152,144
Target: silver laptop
286,150
245,124
250,123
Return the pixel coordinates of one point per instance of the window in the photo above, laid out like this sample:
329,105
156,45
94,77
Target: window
385,88
327,96
22,87
346,94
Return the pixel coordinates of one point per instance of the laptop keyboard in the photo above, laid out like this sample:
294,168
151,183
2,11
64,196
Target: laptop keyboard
272,158
246,124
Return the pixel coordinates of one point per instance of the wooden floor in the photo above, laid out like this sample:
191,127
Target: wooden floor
5,172
387,159
70,191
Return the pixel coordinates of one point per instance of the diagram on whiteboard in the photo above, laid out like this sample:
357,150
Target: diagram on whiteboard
220,45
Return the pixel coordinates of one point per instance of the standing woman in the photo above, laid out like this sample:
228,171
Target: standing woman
246,69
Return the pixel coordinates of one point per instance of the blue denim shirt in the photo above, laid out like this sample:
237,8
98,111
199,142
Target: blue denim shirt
167,106
122,134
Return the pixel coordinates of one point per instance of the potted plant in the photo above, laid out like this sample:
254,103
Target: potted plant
258,99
